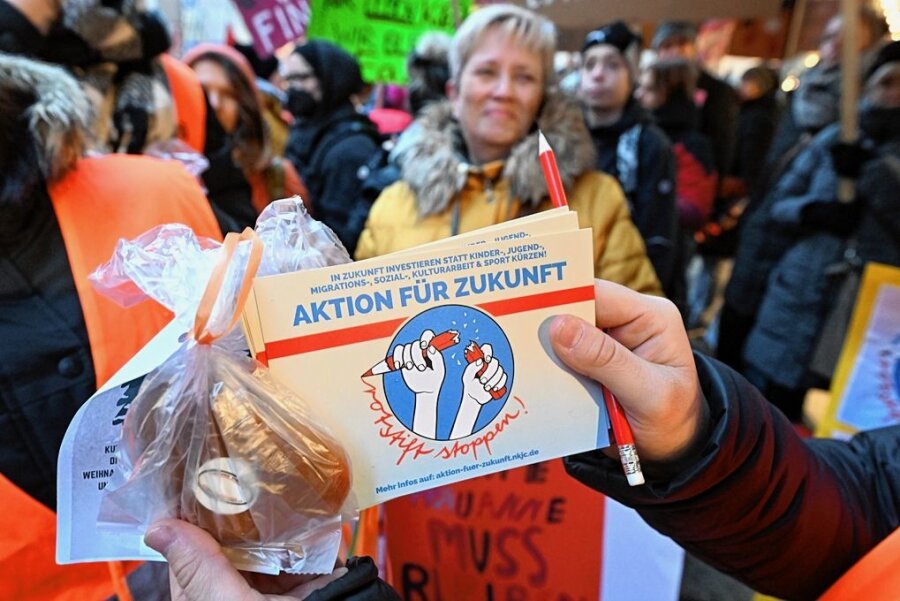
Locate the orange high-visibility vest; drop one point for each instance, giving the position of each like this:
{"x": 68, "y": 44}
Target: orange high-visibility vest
{"x": 101, "y": 200}
{"x": 875, "y": 577}
{"x": 190, "y": 105}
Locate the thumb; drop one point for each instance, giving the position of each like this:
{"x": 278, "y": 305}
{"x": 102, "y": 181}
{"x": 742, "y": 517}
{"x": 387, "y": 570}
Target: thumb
{"x": 198, "y": 567}
{"x": 591, "y": 352}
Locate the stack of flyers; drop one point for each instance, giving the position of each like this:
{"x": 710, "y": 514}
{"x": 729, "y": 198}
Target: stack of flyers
{"x": 433, "y": 365}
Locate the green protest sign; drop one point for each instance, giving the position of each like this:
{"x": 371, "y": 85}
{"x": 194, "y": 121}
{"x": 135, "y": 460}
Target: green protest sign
{"x": 381, "y": 33}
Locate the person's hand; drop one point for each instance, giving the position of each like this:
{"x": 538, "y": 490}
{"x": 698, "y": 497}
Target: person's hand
{"x": 848, "y": 158}
{"x": 645, "y": 359}
{"x": 421, "y": 374}
{"x": 478, "y": 388}
{"x": 199, "y": 571}
{"x": 839, "y": 218}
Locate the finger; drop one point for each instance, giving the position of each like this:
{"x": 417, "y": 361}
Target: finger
{"x": 488, "y": 351}
{"x": 590, "y": 351}
{"x": 500, "y": 383}
{"x": 308, "y": 588}
{"x": 418, "y": 357}
{"x": 407, "y": 356}
{"x": 628, "y": 316}
{"x": 470, "y": 374}
{"x": 617, "y": 305}
{"x": 494, "y": 380}
{"x": 425, "y": 339}
{"x": 490, "y": 371}
{"x": 196, "y": 562}
{"x": 398, "y": 356}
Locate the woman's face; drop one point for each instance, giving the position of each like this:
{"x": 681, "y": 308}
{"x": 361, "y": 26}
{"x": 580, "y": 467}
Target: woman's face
{"x": 648, "y": 93}
{"x": 221, "y": 93}
{"x": 499, "y": 92}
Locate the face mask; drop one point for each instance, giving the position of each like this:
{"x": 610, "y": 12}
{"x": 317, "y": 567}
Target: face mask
{"x": 300, "y": 103}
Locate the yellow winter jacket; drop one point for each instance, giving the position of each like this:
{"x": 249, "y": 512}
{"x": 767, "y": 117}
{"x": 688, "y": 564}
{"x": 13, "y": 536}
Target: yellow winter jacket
{"x": 619, "y": 254}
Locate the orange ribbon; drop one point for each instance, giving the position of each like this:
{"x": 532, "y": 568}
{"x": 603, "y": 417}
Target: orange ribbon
{"x": 201, "y": 334}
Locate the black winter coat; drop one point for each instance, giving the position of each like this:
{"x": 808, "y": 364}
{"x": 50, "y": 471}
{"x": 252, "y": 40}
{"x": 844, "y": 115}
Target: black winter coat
{"x": 332, "y": 155}
{"x": 786, "y": 516}
{"x": 649, "y": 188}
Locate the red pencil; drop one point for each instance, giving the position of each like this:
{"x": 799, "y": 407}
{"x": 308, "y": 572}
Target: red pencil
{"x": 624, "y": 439}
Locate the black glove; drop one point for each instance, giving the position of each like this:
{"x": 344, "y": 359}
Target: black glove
{"x": 848, "y": 159}
{"x": 839, "y": 218}
{"x": 360, "y": 583}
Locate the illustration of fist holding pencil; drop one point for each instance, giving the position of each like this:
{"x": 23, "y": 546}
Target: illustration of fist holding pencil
{"x": 423, "y": 370}
{"x": 483, "y": 381}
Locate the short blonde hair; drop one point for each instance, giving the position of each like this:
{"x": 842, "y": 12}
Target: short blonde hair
{"x": 521, "y": 25}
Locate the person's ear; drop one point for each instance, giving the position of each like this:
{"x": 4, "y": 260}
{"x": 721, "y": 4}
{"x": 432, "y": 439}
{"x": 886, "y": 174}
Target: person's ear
{"x": 450, "y": 90}
{"x": 453, "y": 96}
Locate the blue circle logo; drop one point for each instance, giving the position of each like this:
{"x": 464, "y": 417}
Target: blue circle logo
{"x": 453, "y": 372}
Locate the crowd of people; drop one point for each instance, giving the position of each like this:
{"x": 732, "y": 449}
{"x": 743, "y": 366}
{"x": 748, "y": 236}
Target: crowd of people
{"x": 104, "y": 134}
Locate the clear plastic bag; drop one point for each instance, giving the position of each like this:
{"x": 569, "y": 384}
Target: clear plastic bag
{"x": 211, "y": 437}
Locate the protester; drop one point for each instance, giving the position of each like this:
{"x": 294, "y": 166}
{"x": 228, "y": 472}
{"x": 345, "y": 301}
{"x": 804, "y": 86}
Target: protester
{"x": 717, "y": 101}
{"x": 61, "y": 216}
{"x": 667, "y": 90}
{"x": 272, "y": 97}
{"x": 631, "y": 148}
{"x": 428, "y": 69}
{"x": 727, "y": 477}
{"x": 472, "y": 161}
{"x": 757, "y": 119}
{"x": 243, "y": 177}
{"x": 330, "y": 141}
{"x": 800, "y": 292}
{"x": 813, "y": 106}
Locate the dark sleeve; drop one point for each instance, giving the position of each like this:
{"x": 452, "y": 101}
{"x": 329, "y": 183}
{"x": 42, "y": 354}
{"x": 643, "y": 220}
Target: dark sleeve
{"x": 878, "y": 184}
{"x": 360, "y": 583}
{"x": 655, "y": 209}
{"x": 719, "y": 116}
{"x": 753, "y": 500}
{"x": 340, "y": 186}
{"x": 810, "y": 178}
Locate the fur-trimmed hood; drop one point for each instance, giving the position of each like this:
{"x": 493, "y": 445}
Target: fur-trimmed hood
{"x": 60, "y": 118}
{"x": 432, "y": 165}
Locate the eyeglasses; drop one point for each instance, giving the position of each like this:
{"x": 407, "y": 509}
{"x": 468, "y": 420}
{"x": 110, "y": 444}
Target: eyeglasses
{"x": 299, "y": 77}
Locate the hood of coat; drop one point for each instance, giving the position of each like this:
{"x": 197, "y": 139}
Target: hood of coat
{"x": 59, "y": 120}
{"x": 431, "y": 155}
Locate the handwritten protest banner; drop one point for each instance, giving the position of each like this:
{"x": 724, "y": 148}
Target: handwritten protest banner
{"x": 381, "y": 33}
{"x": 527, "y": 533}
{"x": 274, "y": 23}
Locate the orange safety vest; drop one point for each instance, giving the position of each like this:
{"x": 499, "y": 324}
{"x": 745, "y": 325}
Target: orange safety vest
{"x": 875, "y": 577}
{"x": 190, "y": 105}
{"x": 101, "y": 200}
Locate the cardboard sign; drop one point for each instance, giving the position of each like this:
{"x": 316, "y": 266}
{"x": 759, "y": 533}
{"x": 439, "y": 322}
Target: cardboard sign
{"x": 381, "y": 33}
{"x": 274, "y": 23}
{"x": 866, "y": 385}
{"x": 528, "y": 533}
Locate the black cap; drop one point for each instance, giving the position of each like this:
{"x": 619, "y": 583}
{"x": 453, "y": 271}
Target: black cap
{"x": 616, "y": 34}
{"x": 887, "y": 54}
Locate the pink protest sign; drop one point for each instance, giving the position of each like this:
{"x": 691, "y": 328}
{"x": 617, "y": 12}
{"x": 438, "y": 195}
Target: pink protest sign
{"x": 274, "y": 23}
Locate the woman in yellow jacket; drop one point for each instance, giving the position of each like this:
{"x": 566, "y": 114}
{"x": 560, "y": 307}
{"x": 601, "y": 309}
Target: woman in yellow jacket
{"x": 472, "y": 162}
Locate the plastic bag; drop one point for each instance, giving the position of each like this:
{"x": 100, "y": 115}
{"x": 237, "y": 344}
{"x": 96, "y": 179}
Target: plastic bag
{"x": 210, "y": 437}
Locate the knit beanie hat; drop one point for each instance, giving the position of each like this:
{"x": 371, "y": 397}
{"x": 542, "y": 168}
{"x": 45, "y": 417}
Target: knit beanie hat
{"x": 888, "y": 54}
{"x": 674, "y": 29}
{"x": 616, "y": 34}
